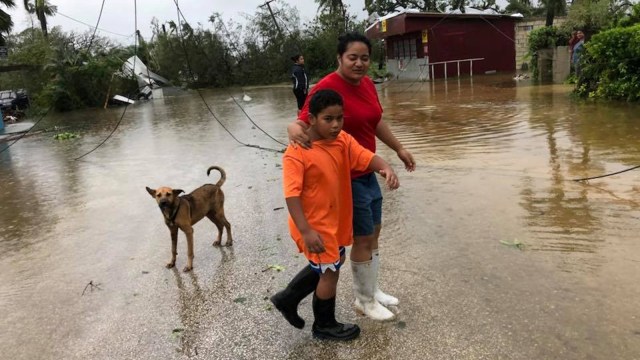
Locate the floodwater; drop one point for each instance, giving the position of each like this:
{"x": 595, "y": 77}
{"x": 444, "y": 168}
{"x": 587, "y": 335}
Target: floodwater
{"x": 493, "y": 250}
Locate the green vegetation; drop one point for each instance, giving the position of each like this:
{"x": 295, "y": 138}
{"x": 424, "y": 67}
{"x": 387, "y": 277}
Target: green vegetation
{"x": 611, "y": 60}
{"x": 544, "y": 38}
{"x": 66, "y": 136}
{"x": 611, "y": 65}
{"x": 69, "y": 71}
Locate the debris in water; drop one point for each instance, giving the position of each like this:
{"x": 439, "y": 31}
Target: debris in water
{"x": 91, "y": 286}
{"x": 516, "y": 243}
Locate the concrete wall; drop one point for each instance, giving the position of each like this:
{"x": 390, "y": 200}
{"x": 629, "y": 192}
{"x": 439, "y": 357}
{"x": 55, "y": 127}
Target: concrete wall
{"x": 411, "y": 69}
{"x": 523, "y": 28}
{"x": 553, "y": 64}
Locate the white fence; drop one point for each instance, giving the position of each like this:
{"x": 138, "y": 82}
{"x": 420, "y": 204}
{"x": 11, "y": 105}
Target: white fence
{"x": 423, "y": 70}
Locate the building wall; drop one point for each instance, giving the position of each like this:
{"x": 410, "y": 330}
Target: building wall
{"x": 453, "y": 39}
{"x": 488, "y": 38}
{"x": 553, "y": 64}
{"x": 523, "y": 29}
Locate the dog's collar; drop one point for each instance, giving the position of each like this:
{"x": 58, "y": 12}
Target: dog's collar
{"x": 174, "y": 213}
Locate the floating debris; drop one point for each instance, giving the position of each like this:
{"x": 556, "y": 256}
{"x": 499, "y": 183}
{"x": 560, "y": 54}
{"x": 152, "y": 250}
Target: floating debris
{"x": 66, "y": 136}
{"x": 516, "y": 244}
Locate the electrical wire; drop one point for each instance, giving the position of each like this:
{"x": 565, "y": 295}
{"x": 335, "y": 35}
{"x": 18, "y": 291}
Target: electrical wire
{"x": 186, "y": 53}
{"x": 91, "y": 26}
{"x": 605, "y": 175}
{"x": 237, "y": 51}
{"x": 96, "y": 27}
{"x": 133, "y": 75}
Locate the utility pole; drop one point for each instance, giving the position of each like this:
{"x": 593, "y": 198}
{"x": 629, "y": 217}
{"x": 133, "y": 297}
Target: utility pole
{"x": 267, "y": 4}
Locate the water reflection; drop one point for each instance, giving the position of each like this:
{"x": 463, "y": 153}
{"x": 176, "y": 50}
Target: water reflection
{"x": 495, "y": 162}
{"x": 537, "y": 135}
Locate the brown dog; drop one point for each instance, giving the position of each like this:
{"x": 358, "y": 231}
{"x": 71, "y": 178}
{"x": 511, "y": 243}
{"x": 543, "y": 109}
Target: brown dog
{"x": 182, "y": 212}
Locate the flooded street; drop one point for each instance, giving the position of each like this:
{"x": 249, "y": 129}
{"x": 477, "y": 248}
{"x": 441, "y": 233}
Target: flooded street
{"x": 492, "y": 249}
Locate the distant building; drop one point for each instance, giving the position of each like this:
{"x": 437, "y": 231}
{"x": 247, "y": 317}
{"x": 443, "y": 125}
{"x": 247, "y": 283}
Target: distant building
{"x": 421, "y": 45}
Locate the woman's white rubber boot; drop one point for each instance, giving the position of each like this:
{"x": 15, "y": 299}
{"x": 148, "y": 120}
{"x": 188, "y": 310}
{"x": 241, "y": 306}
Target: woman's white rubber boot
{"x": 384, "y": 299}
{"x": 364, "y": 287}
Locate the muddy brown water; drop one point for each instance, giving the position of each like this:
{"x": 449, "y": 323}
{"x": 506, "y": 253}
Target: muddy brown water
{"x": 493, "y": 251}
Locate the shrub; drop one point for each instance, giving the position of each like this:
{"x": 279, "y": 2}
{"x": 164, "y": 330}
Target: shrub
{"x": 544, "y": 38}
{"x": 611, "y": 65}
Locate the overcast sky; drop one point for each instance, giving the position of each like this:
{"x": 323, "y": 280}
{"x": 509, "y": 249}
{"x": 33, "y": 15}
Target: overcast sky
{"x": 118, "y": 15}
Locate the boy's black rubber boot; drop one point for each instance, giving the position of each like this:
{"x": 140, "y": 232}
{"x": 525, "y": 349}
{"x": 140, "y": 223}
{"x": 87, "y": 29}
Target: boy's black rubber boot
{"x": 287, "y": 300}
{"x": 326, "y": 327}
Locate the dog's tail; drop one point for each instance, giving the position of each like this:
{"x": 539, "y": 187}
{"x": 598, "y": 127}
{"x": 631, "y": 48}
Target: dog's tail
{"x": 223, "y": 175}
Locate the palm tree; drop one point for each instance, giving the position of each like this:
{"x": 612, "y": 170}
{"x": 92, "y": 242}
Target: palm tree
{"x": 42, "y": 9}
{"x": 332, "y": 6}
{"x": 553, "y": 8}
{"x": 6, "y": 24}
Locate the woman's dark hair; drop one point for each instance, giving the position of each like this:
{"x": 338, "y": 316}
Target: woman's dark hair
{"x": 345, "y": 39}
{"x": 322, "y": 99}
{"x": 295, "y": 57}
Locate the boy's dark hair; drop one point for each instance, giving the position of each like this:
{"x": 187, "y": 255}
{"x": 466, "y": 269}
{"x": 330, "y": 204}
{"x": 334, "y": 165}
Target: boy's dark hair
{"x": 322, "y": 99}
{"x": 345, "y": 39}
{"x": 295, "y": 57}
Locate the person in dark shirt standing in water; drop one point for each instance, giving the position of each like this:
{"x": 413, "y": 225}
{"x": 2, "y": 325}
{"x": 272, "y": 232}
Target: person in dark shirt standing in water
{"x": 300, "y": 80}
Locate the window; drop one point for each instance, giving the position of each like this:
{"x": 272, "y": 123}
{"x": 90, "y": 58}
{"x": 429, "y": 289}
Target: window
{"x": 404, "y": 48}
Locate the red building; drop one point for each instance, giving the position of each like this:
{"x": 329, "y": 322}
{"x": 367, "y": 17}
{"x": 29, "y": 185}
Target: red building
{"x": 420, "y": 45}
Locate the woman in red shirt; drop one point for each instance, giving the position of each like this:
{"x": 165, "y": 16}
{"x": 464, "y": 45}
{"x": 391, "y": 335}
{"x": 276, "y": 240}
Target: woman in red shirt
{"x": 363, "y": 121}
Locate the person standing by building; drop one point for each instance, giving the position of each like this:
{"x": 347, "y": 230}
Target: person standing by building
{"x": 572, "y": 41}
{"x": 577, "y": 51}
{"x": 363, "y": 121}
{"x": 300, "y": 80}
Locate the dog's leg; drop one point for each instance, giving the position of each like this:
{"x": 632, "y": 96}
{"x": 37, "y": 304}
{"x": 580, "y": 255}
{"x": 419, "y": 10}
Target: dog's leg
{"x": 218, "y": 223}
{"x": 174, "y": 246}
{"x": 228, "y": 226}
{"x": 189, "y": 232}
{"x": 221, "y": 222}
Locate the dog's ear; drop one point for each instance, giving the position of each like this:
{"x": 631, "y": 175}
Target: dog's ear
{"x": 177, "y": 192}
{"x": 151, "y": 192}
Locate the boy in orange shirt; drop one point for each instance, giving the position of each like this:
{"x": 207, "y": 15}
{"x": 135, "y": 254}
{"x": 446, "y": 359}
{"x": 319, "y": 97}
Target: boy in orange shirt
{"x": 317, "y": 188}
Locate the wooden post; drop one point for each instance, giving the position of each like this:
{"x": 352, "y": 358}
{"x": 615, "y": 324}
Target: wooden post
{"x": 106, "y": 100}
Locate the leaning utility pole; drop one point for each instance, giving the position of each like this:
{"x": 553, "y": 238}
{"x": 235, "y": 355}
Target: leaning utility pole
{"x": 267, "y": 4}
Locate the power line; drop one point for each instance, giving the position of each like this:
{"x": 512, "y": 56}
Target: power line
{"x": 93, "y": 27}
{"x": 96, "y": 27}
{"x": 133, "y": 75}
{"x": 186, "y": 53}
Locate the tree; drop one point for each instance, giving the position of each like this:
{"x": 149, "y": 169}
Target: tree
{"x": 384, "y": 7}
{"x": 519, "y": 6}
{"x": 335, "y": 7}
{"x": 6, "y": 24}
{"x": 553, "y": 8}
{"x": 42, "y": 9}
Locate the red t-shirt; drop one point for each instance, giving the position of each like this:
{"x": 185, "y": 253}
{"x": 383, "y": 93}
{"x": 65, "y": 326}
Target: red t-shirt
{"x": 362, "y": 109}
